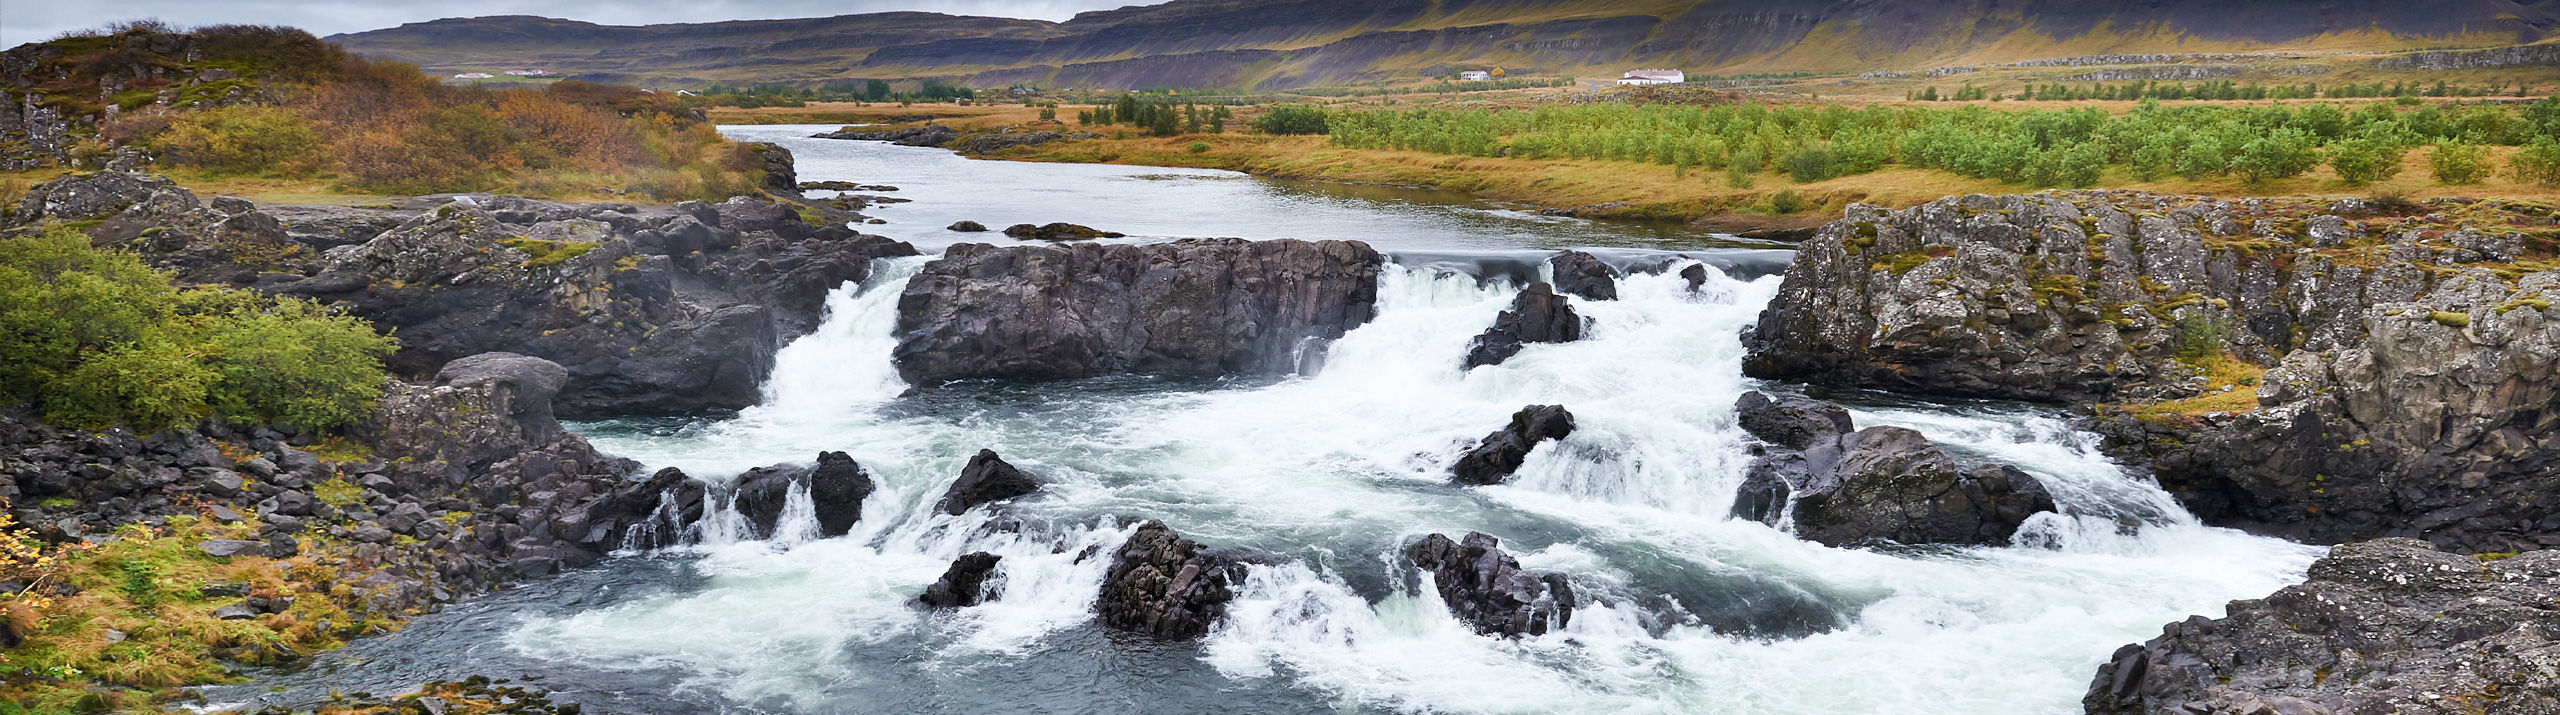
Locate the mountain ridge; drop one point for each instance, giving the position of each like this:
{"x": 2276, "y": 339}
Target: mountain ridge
{"x": 1250, "y": 44}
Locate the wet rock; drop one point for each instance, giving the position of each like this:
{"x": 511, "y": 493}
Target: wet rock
{"x": 1791, "y": 421}
{"x": 1192, "y": 307}
{"x": 2390, "y": 625}
{"x": 1486, "y": 589}
{"x": 1494, "y": 459}
{"x": 1584, "y": 276}
{"x": 967, "y": 226}
{"x": 1891, "y": 484}
{"x": 1164, "y": 585}
{"x": 1060, "y": 231}
{"x": 234, "y": 612}
{"x": 987, "y": 478}
{"x": 963, "y": 584}
{"x": 654, "y": 514}
{"x": 1537, "y": 315}
{"x": 927, "y": 135}
{"x": 836, "y": 486}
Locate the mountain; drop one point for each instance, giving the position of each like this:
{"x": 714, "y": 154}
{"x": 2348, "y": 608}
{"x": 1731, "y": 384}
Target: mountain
{"x": 1280, "y": 44}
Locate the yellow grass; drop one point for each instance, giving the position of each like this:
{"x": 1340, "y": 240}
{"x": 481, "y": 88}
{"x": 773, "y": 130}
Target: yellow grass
{"x": 2221, "y": 370}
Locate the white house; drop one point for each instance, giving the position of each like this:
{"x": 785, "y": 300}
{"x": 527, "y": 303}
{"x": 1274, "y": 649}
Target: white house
{"x": 528, "y": 73}
{"x": 1653, "y": 77}
{"x": 473, "y": 75}
{"x": 1475, "y": 76}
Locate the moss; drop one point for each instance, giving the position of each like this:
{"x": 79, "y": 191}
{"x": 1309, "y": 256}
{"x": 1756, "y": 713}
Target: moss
{"x": 338, "y": 493}
{"x": 540, "y": 253}
{"x": 2450, "y": 319}
{"x": 2534, "y": 303}
{"x": 2496, "y": 555}
{"x": 1861, "y": 239}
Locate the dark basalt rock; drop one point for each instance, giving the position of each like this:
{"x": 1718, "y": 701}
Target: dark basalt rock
{"x": 1585, "y": 276}
{"x": 837, "y": 485}
{"x": 1166, "y": 586}
{"x": 2384, "y": 626}
{"x": 653, "y": 514}
{"x": 1059, "y": 231}
{"x": 781, "y": 173}
{"x": 1790, "y": 421}
{"x": 987, "y": 478}
{"x": 964, "y": 584}
{"x": 1501, "y": 453}
{"x": 1537, "y": 315}
{"x": 967, "y": 226}
{"x": 1876, "y": 484}
{"x": 927, "y": 135}
{"x": 1192, "y": 307}
{"x": 1486, "y": 589}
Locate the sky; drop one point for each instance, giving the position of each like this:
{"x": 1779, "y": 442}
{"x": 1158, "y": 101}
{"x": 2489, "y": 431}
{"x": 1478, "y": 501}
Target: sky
{"x": 24, "y": 21}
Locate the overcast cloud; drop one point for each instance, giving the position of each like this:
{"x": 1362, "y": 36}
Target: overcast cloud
{"x": 23, "y": 21}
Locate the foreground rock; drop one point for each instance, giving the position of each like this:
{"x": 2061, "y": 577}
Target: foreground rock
{"x": 1192, "y": 307}
{"x": 2385, "y": 626}
{"x": 1499, "y": 454}
{"x": 1166, "y": 586}
{"x": 987, "y": 478}
{"x": 1486, "y": 589}
{"x": 1059, "y": 231}
{"x": 1537, "y": 315}
{"x": 836, "y": 486}
{"x": 1876, "y": 484}
{"x": 964, "y": 584}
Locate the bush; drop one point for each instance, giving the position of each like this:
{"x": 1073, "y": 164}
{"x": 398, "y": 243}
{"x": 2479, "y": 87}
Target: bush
{"x": 1787, "y": 201}
{"x": 241, "y": 140}
{"x": 1291, "y": 119}
{"x": 2538, "y": 162}
{"x": 1197, "y": 148}
{"x": 2364, "y": 160}
{"x": 2457, "y": 162}
{"x": 2280, "y": 154}
{"x": 97, "y": 338}
{"x": 1807, "y": 164}
{"x": 1743, "y": 169}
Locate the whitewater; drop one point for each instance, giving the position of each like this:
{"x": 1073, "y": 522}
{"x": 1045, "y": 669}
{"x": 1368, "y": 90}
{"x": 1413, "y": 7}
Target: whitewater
{"x": 1325, "y": 477}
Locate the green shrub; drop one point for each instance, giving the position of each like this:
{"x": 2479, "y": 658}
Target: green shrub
{"x": 1787, "y": 201}
{"x": 1808, "y": 164}
{"x": 1743, "y": 169}
{"x": 1292, "y": 119}
{"x": 2538, "y": 162}
{"x": 1197, "y": 148}
{"x": 2364, "y": 160}
{"x": 94, "y": 338}
{"x": 2280, "y": 154}
{"x": 2458, "y": 162}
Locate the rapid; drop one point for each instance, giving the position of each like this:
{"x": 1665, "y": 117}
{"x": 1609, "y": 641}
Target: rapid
{"x": 1326, "y": 476}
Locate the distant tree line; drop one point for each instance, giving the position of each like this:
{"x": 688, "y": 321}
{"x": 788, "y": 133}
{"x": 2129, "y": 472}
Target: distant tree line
{"x": 1159, "y": 116}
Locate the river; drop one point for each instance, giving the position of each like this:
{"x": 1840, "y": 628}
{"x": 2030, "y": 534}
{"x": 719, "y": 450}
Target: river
{"x": 1328, "y": 475}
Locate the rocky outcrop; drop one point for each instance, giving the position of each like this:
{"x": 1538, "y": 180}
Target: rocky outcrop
{"x": 1058, "y": 231}
{"x": 927, "y": 135}
{"x": 987, "y": 479}
{"x": 1537, "y": 315}
{"x": 1874, "y": 485}
{"x": 836, "y": 486}
{"x": 1584, "y": 276}
{"x": 2391, "y": 625}
{"x": 2408, "y": 390}
{"x": 781, "y": 170}
{"x": 658, "y": 311}
{"x": 1494, "y": 459}
{"x": 1190, "y": 307}
{"x": 1166, "y": 586}
{"x": 967, "y": 227}
{"x": 964, "y": 584}
{"x": 1485, "y": 588}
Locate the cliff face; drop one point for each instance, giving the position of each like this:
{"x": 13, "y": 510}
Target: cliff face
{"x": 1291, "y": 43}
{"x": 2411, "y": 384}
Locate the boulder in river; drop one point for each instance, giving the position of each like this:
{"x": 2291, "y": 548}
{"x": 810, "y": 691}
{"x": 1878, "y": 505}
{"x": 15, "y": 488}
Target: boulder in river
{"x": 927, "y": 135}
{"x": 967, "y": 226}
{"x": 1204, "y": 307}
{"x": 1877, "y": 484}
{"x": 1537, "y": 315}
{"x": 988, "y": 478}
{"x": 964, "y": 584}
{"x": 2384, "y": 626}
{"x": 1164, "y": 585}
{"x": 836, "y": 485}
{"x": 1058, "y": 231}
{"x": 1501, "y": 453}
{"x": 1486, "y": 589}
{"x": 1584, "y": 275}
